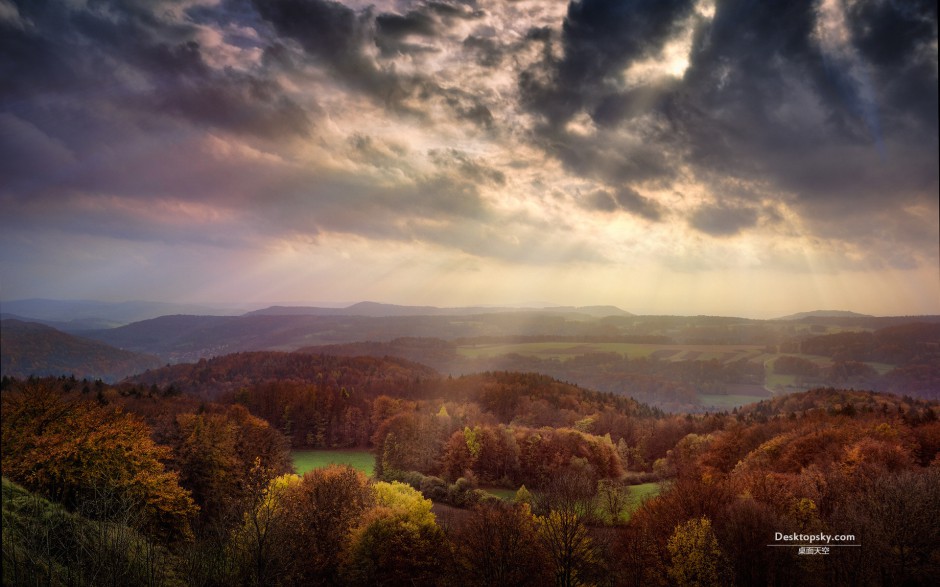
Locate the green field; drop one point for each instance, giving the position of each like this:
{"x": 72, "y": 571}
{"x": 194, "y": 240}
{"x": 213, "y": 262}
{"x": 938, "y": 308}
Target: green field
{"x": 502, "y": 493}
{"x": 307, "y": 460}
{"x": 565, "y": 350}
{"x": 638, "y": 494}
{"x": 644, "y": 491}
{"x": 881, "y": 368}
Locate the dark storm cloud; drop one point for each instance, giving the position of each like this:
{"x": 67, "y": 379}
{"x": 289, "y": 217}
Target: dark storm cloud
{"x": 722, "y": 220}
{"x": 632, "y": 202}
{"x": 625, "y": 199}
{"x": 767, "y": 100}
{"x": 771, "y": 97}
{"x": 888, "y": 32}
{"x": 328, "y": 30}
{"x": 122, "y": 57}
{"x": 488, "y": 53}
{"x": 399, "y": 26}
{"x": 599, "y": 37}
{"x": 599, "y": 40}
{"x": 898, "y": 40}
{"x": 337, "y": 37}
{"x": 341, "y": 39}
{"x": 747, "y": 65}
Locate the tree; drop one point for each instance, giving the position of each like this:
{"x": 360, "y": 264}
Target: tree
{"x": 563, "y": 506}
{"x": 898, "y": 515}
{"x": 72, "y": 451}
{"x": 218, "y": 453}
{"x": 696, "y": 558}
{"x": 263, "y": 542}
{"x": 408, "y": 442}
{"x": 325, "y": 507}
{"x": 569, "y": 547}
{"x": 499, "y": 544}
{"x": 614, "y": 497}
{"x": 398, "y": 542}
{"x": 209, "y": 466}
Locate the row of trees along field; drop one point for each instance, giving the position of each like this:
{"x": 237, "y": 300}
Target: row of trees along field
{"x": 201, "y": 492}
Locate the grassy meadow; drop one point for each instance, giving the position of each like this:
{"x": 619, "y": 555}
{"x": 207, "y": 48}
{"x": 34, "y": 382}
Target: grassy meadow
{"x": 307, "y": 460}
{"x": 638, "y": 494}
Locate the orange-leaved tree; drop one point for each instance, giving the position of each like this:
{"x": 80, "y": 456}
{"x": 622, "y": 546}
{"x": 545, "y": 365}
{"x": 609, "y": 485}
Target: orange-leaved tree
{"x": 76, "y": 452}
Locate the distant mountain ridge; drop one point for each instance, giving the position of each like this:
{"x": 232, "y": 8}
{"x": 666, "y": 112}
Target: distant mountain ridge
{"x": 188, "y": 338}
{"x": 74, "y": 326}
{"x": 73, "y": 315}
{"x": 824, "y": 314}
{"x": 379, "y": 310}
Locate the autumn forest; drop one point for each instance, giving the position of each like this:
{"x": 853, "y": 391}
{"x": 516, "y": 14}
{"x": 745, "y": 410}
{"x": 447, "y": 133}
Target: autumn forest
{"x": 185, "y": 474}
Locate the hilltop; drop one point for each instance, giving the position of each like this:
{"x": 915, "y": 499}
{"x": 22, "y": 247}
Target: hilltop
{"x": 379, "y": 310}
{"x": 824, "y": 314}
{"x": 28, "y": 348}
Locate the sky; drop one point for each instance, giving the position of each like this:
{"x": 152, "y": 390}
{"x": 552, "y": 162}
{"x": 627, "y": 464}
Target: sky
{"x": 743, "y": 157}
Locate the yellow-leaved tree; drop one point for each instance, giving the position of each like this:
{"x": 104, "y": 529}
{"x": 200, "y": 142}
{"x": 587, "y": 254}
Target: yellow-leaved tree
{"x": 696, "y": 557}
{"x": 398, "y": 541}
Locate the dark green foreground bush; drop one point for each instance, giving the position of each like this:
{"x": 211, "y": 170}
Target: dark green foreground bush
{"x": 44, "y": 544}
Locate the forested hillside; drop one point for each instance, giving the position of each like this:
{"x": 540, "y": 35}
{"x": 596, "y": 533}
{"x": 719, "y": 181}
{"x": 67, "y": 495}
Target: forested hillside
{"x": 185, "y": 490}
{"x": 27, "y": 348}
{"x": 321, "y": 401}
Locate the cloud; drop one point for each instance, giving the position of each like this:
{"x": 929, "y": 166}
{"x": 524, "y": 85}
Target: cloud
{"x": 598, "y": 39}
{"x": 393, "y": 31}
{"x": 631, "y": 201}
{"x": 625, "y": 199}
{"x": 722, "y": 220}
{"x": 797, "y": 102}
{"x": 137, "y": 64}
{"x": 489, "y": 54}
{"x": 455, "y": 125}
{"x": 28, "y": 152}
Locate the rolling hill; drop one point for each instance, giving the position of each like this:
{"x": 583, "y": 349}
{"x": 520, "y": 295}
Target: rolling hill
{"x": 28, "y": 348}
{"x": 378, "y": 310}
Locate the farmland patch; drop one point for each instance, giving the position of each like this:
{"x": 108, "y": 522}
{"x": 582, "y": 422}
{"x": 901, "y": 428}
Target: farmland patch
{"x": 307, "y": 460}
